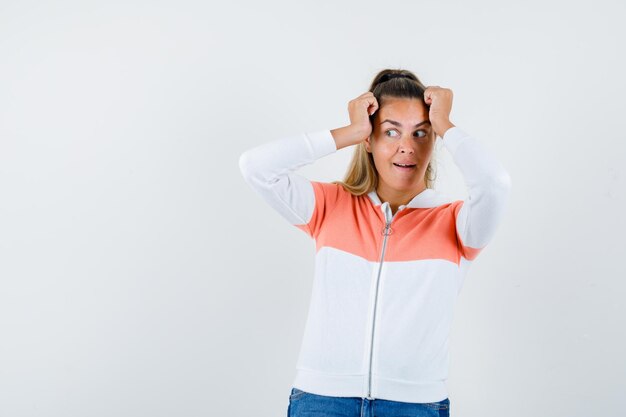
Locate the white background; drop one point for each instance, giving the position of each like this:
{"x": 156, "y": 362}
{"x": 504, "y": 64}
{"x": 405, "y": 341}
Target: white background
{"x": 141, "y": 276}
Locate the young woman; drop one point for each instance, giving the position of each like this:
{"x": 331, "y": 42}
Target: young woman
{"x": 391, "y": 251}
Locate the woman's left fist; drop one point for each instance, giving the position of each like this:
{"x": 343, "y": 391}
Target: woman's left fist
{"x": 439, "y": 101}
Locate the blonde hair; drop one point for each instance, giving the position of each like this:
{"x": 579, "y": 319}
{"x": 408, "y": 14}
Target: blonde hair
{"x": 361, "y": 176}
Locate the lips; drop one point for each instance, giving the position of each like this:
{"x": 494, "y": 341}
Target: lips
{"x": 404, "y": 165}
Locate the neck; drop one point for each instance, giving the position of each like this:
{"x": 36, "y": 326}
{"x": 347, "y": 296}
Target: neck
{"x": 396, "y": 198}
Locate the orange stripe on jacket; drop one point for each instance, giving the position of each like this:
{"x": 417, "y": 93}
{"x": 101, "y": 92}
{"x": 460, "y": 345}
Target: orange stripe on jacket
{"x": 355, "y": 225}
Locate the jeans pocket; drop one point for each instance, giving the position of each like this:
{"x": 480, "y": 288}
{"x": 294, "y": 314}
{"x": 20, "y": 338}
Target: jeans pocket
{"x": 296, "y": 393}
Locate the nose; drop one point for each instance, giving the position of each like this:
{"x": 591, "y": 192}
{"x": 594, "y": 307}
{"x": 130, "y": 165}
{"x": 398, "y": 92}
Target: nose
{"x": 406, "y": 145}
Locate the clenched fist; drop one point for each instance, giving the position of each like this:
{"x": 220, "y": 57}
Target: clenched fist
{"x": 439, "y": 101}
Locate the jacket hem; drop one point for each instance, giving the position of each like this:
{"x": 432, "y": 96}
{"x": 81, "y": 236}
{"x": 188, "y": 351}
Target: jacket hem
{"x": 382, "y": 388}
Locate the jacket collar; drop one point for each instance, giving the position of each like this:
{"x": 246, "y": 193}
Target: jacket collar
{"x": 426, "y": 199}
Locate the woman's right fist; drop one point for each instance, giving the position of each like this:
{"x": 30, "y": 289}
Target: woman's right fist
{"x": 360, "y": 127}
{"x": 360, "y": 109}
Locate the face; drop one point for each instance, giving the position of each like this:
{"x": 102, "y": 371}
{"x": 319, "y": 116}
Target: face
{"x": 396, "y": 139}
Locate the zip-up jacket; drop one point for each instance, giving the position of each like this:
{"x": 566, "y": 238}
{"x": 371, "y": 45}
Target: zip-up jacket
{"x": 385, "y": 285}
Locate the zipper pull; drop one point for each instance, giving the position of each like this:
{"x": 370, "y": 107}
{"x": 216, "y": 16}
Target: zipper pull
{"x": 387, "y": 230}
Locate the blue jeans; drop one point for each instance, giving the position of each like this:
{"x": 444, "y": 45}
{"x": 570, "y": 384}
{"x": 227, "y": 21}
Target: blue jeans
{"x": 302, "y": 403}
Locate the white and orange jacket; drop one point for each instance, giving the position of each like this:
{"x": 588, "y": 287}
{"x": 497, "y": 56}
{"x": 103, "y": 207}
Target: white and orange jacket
{"x": 385, "y": 286}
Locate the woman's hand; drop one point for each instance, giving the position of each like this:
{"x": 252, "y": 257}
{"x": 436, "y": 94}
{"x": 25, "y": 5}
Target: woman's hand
{"x": 439, "y": 101}
{"x": 360, "y": 128}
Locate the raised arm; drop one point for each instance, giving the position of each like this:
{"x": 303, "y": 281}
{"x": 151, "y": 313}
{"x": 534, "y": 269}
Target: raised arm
{"x": 269, "y": 170}
{"x": 488, "y": 185}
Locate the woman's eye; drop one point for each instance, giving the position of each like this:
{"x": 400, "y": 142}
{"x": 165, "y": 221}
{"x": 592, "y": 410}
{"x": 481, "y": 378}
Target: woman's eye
{"x": 423, "y": 133}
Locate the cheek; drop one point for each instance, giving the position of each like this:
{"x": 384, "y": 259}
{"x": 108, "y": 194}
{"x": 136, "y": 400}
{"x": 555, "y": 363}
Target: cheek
{"x": 425, "y": 150}
{"x": 384, "y": 157}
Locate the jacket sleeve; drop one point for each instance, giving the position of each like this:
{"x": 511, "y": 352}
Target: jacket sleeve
{"x": 269, "y": 171}
{"x": 488, "y": 185}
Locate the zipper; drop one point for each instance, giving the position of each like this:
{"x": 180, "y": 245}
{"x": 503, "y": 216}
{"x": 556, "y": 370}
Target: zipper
{"x": 387, "y": 230}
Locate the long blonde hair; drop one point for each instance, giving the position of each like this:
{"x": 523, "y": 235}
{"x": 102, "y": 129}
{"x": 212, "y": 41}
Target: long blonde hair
{"x": 361, "y": 176}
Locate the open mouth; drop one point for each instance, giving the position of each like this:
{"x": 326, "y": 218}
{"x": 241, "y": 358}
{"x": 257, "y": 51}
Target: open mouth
{"x": 405, "y": 167}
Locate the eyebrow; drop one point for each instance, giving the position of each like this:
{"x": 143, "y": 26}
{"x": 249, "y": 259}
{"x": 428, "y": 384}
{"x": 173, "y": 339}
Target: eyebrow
{"x": 393, "y": 122}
